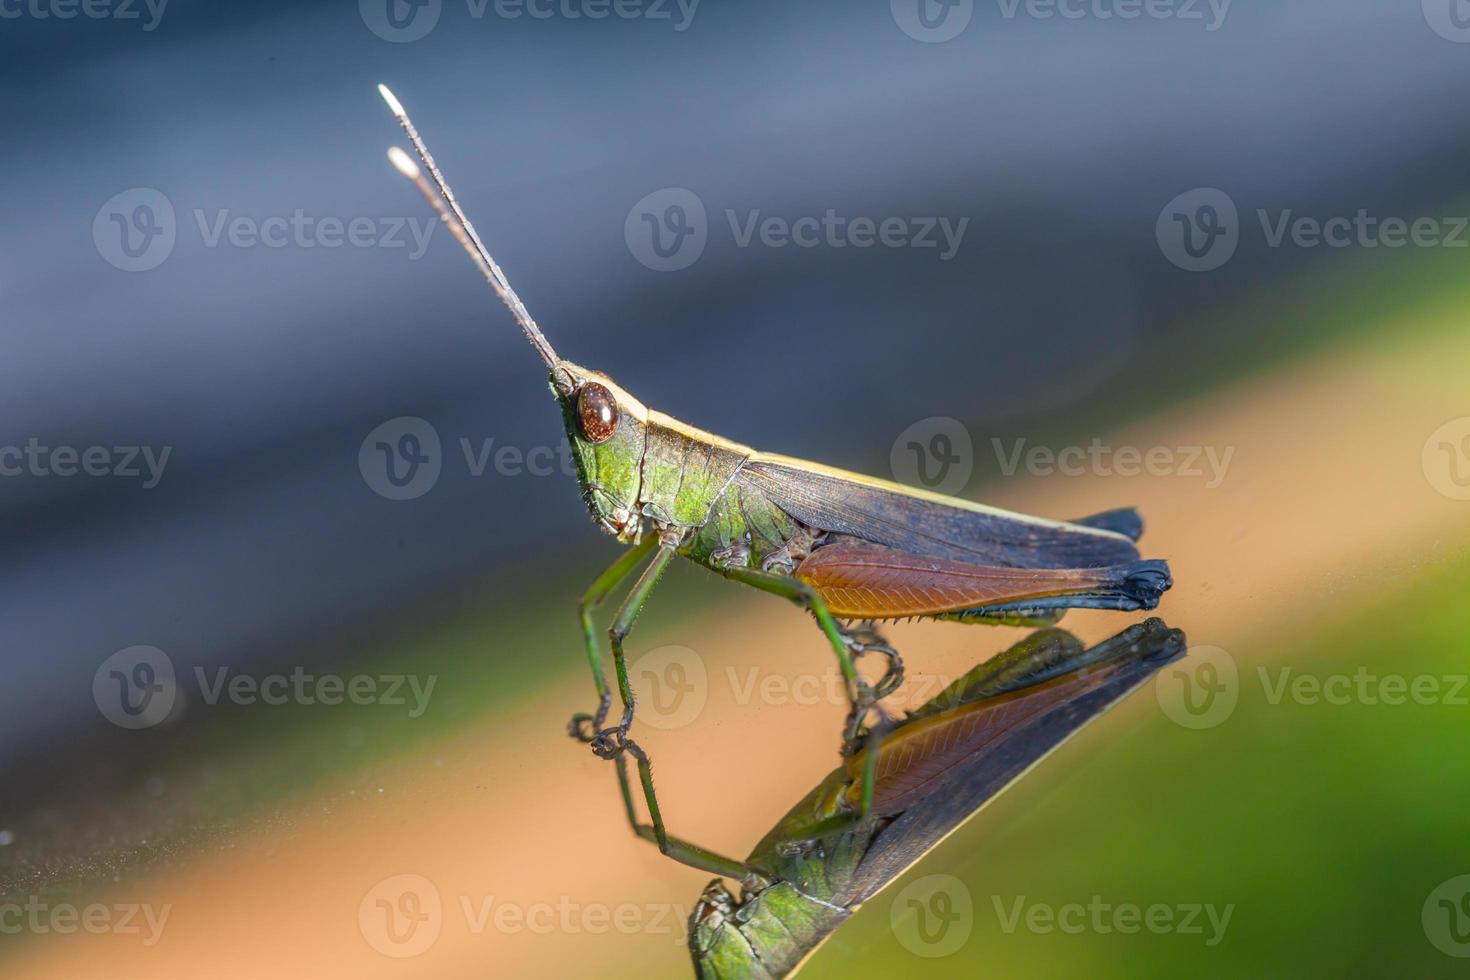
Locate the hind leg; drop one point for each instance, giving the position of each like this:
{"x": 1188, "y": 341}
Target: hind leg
{"x": 861, "y": 696}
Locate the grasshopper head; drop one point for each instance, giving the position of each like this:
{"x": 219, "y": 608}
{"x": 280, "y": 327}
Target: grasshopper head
{"x": 605, "y": 426}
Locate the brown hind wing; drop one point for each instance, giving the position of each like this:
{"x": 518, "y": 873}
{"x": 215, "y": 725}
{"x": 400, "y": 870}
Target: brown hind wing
{"x": 864, "y": 582}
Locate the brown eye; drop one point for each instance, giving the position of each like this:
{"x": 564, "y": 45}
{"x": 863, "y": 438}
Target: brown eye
{"x": 597, "y": 413}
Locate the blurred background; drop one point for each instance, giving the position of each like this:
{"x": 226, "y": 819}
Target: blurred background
{"x": 264, "y": 678}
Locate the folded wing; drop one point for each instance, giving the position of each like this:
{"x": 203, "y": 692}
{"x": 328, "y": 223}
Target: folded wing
{"x": 922, "y": 523}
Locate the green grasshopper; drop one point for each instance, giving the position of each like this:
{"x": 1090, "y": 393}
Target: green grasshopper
{"x": 850, "y": 549}
{"x": 937, "y": 769}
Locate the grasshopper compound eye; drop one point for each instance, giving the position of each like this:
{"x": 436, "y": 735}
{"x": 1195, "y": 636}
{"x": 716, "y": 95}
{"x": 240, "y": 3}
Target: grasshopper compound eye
{"x": 597, "y": 413}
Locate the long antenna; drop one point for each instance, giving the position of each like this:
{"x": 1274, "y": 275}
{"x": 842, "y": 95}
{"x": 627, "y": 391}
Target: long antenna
{"x": 460, "y": 226}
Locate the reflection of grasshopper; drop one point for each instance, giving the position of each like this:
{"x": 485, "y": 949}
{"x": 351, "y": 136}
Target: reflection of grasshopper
{"x": 844, "y": 546}
{"x": 940, "y": 765}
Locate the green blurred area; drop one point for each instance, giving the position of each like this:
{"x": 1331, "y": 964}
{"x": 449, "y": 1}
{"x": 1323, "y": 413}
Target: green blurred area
{"x": 1324, "y": 827}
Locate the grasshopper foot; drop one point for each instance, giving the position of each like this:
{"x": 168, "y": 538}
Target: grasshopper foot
{"x": 610, "y": 742}
{"x": 864, "y": 639}
{"x": 584, "y": 727}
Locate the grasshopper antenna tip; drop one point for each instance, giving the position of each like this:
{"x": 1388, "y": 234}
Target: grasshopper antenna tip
{"x": 394, "y": 105}
{"x": 442, "y": 200}
{"x": 403, "y": 163}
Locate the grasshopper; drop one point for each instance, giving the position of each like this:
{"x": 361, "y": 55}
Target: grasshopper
{"x": 937, "y": 769}
{"x": 850, "y": 549}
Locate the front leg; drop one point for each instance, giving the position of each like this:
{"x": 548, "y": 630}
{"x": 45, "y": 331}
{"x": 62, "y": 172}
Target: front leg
{"x": 608, "y": 743}
{"x": 674, "y": 847}
{"x": 612, "y": 743}
{"x": 584, "y": 727}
